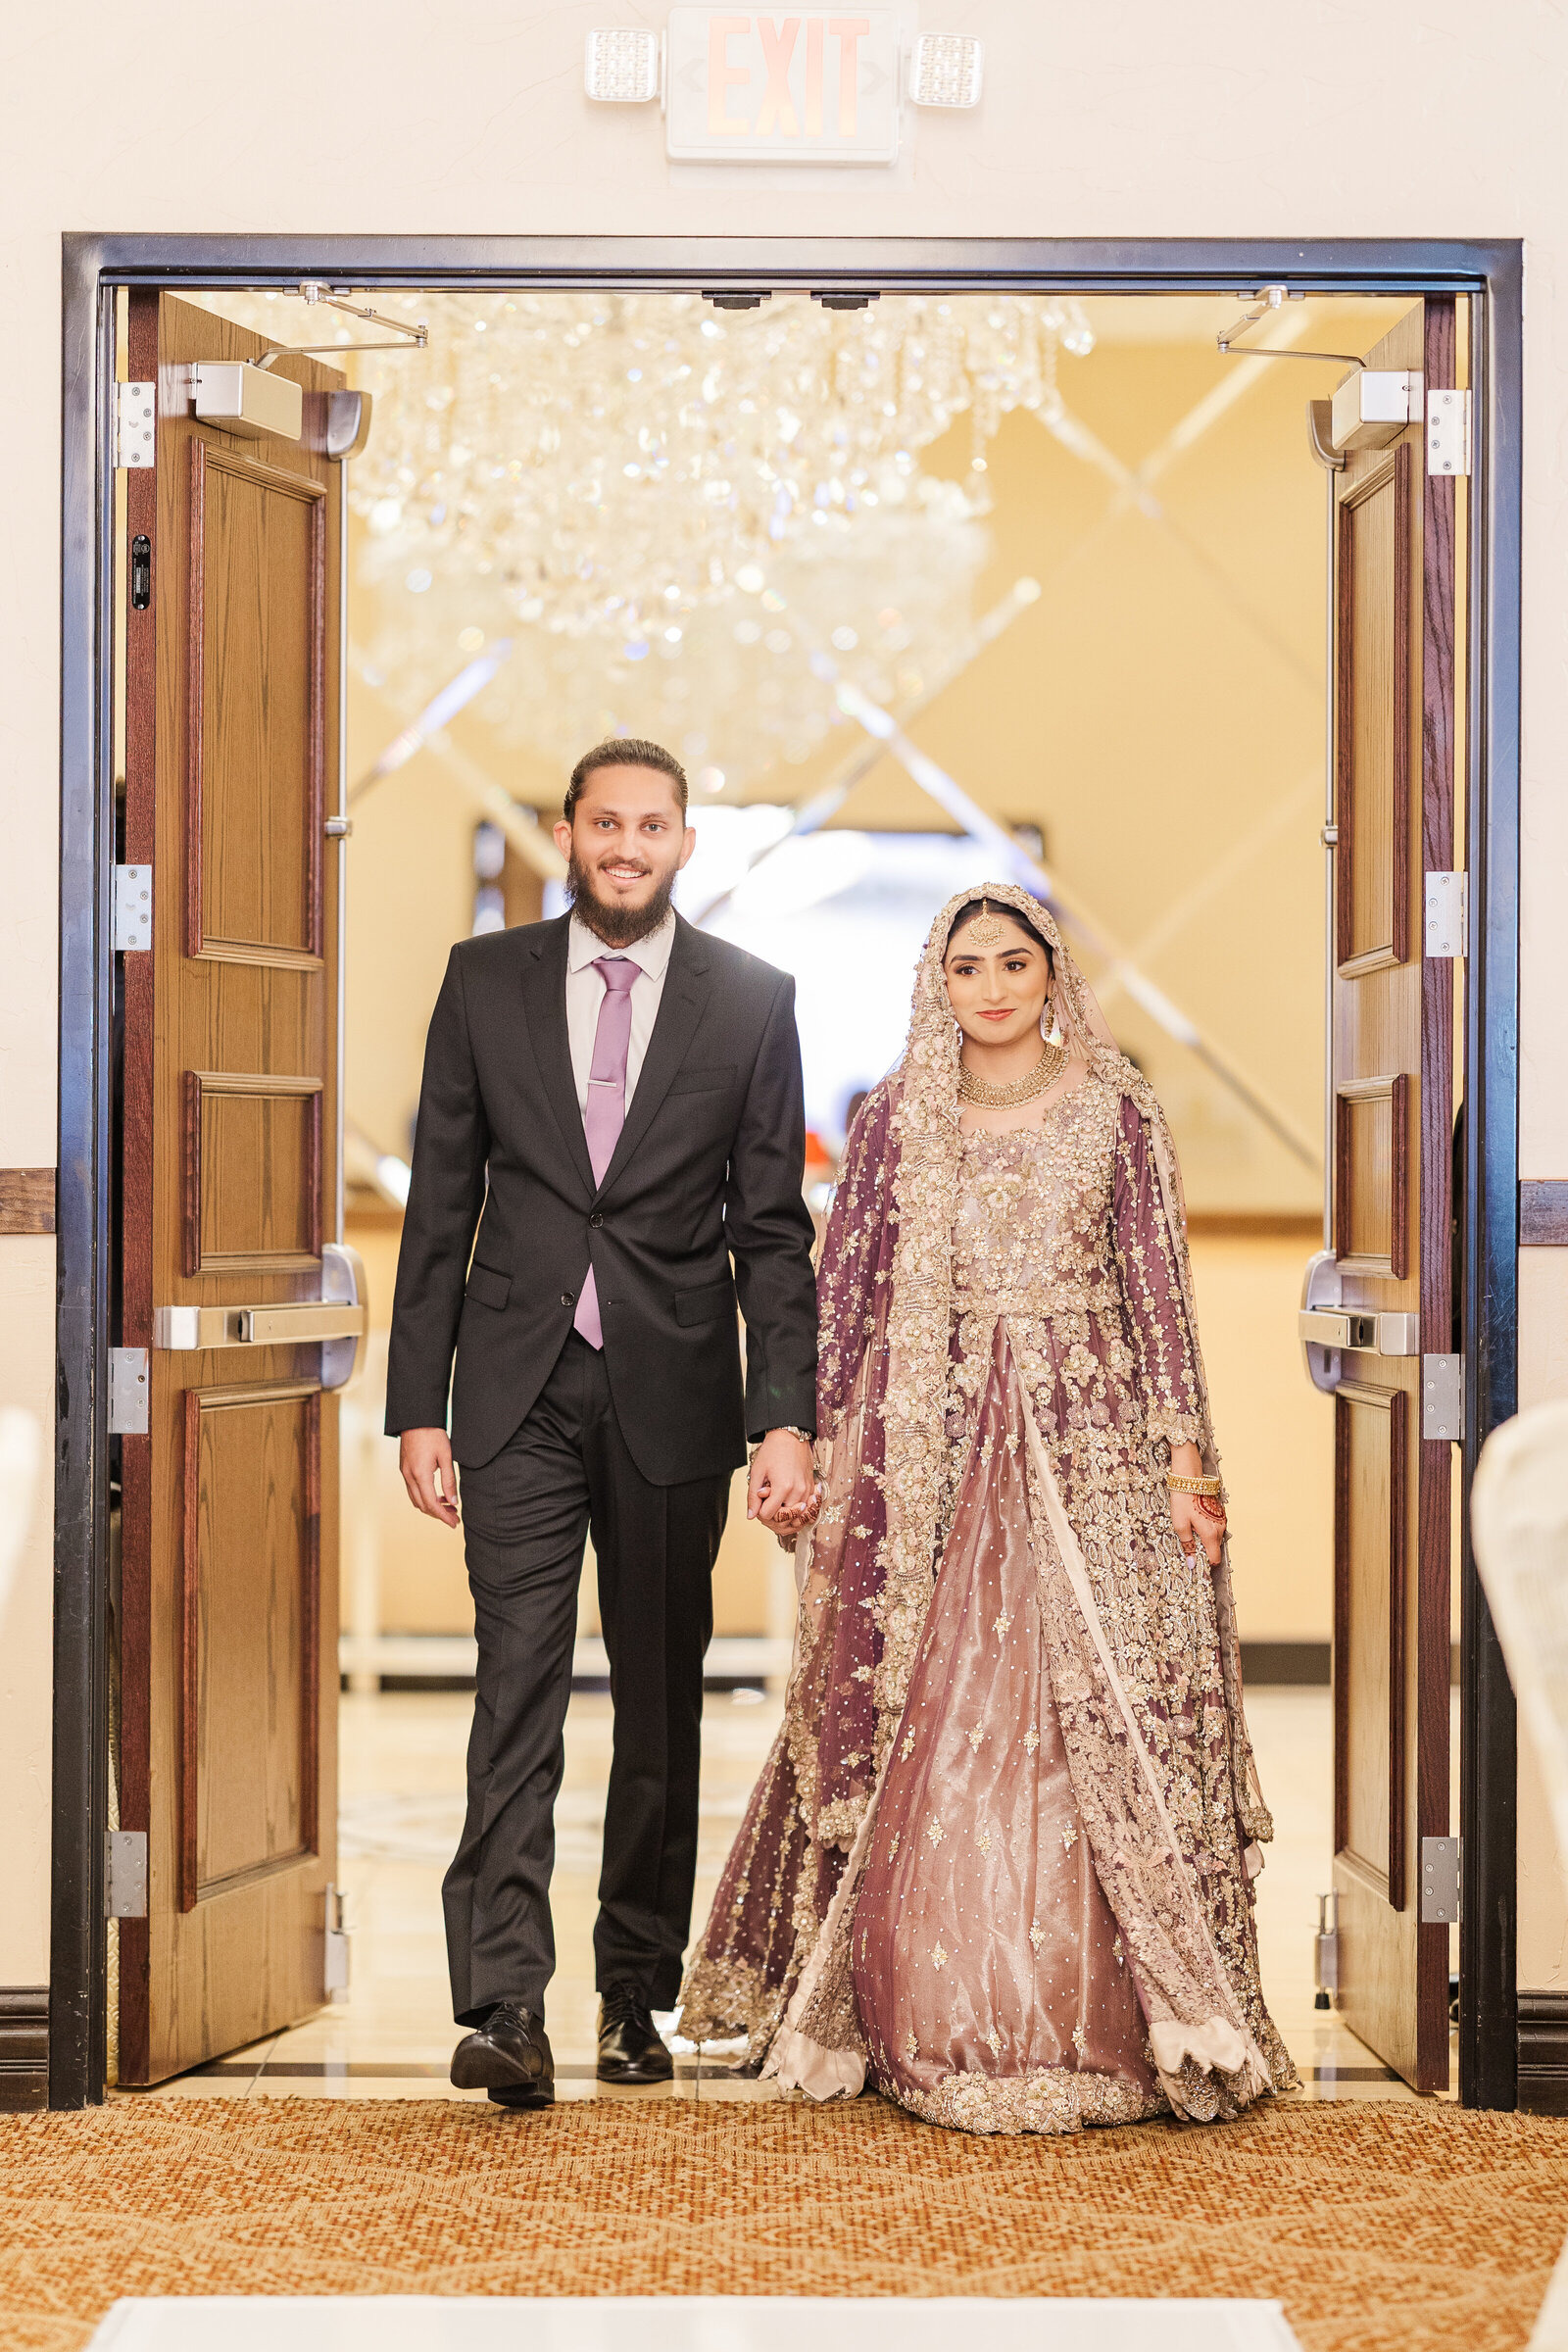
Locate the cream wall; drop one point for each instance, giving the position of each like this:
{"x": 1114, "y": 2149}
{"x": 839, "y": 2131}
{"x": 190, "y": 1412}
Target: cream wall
{"x": 1130, "y": 120}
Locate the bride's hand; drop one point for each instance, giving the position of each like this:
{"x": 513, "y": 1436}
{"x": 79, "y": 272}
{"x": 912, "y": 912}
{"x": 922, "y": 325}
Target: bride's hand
{"x": 1199, "y": 1519}
{"x": 787, "y": 1525}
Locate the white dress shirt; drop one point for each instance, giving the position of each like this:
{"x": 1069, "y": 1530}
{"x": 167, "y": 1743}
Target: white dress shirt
{"x": 585, "y": 992}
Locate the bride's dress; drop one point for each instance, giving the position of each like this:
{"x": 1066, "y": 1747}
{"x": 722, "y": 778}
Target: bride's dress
{"x": 990, "y": 1978}
{"x": 999, "y": 1855}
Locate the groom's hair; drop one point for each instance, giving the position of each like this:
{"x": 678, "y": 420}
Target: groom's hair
{"x": 625, "y": 751}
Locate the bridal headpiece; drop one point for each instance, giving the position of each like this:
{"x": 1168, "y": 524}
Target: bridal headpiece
{"x": 986, "y": 930}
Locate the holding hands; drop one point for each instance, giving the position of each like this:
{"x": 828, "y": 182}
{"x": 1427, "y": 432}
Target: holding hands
{"x": 782, "y": 1490}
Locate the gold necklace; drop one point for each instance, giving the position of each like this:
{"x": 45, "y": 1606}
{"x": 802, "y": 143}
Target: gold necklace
{"x": 1046, "y": 1070}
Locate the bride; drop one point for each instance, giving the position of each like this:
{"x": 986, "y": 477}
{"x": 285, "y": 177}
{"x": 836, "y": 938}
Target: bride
{"x": 1000, "y": 1854}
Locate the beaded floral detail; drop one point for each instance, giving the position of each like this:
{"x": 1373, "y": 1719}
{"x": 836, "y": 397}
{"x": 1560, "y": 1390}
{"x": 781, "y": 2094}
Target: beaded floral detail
{"x": 1052, "y": 2099}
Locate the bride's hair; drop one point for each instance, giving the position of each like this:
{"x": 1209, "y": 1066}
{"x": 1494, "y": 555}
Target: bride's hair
{"x": 971, "y": 913}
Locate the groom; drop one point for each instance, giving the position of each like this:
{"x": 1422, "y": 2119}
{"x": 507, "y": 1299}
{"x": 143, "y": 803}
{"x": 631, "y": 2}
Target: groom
{"x": 611, "y": 1113}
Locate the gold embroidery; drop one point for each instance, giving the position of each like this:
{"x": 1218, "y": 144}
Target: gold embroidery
{"x": 1071, "y": 1235}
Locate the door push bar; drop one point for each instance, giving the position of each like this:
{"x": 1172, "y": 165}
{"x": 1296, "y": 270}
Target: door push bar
{"x": 1370, "y": 1334}
{"x": 1329, "y": 1330}
{"x": 337, "y": 1321}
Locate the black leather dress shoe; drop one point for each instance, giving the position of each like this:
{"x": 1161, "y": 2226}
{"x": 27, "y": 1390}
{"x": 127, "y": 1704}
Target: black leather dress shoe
{"x": 509, "y": 2056}
{"x": 629, "y": 2047}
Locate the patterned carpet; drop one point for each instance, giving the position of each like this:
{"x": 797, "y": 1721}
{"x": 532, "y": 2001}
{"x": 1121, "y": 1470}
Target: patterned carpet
{"x": 1377, "y": 2225}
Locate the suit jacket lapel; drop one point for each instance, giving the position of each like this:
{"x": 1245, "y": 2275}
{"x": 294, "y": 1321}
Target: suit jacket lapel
{"x": 544, "y": 990}
{"x": 680, "y": 1009}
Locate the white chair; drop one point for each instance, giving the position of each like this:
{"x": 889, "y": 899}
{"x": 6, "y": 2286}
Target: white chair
{"x": 1519, "y": 1521}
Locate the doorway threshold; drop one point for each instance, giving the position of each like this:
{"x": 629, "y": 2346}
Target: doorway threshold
{"x": 732, "y": 1660}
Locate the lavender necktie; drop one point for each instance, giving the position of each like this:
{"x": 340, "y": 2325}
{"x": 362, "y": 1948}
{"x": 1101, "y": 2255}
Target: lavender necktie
{"x": 605, "y": 1114}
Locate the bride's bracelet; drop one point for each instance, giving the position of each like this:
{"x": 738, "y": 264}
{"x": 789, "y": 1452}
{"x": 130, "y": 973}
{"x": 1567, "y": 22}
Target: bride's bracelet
{"x": 1191, "y": 1486}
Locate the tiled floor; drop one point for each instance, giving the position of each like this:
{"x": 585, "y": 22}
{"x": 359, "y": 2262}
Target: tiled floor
{"x": 402, "y": 1758}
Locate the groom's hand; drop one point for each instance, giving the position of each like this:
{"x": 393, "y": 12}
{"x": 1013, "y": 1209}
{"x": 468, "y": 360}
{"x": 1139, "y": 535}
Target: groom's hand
{"x": 424, "y": 1457}
{"x": 782, "y": 1489}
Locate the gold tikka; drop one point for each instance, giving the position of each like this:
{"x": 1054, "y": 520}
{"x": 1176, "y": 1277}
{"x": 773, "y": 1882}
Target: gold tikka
{"x": 1046, "y": 1070}
{"x": 987, "y": 928}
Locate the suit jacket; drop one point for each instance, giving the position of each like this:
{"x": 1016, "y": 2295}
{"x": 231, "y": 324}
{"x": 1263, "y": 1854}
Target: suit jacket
{"x": 707, "y": 1169}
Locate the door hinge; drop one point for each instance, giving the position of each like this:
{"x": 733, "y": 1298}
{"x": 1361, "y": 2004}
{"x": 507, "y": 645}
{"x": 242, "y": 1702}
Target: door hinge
{"x": 1442, "y": 1396}
{"x": 1440, "y": 1859}
{"x": 132, "y": 910}
{"x": 125, "y": 1873}
{"x": 128, "y": 1392}
{"x": 136, "y": 423}
{"x": 1448, "y": 433}
{"x": 337, "y": 1979}
{"x": 1447, "y": 914}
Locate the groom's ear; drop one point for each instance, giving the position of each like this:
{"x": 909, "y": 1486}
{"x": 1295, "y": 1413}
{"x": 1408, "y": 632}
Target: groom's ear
{"x": 687, "y": 845}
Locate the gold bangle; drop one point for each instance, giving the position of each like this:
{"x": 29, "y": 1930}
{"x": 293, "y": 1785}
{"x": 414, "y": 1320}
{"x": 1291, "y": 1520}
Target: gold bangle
{"x": 1191, "y": 1486}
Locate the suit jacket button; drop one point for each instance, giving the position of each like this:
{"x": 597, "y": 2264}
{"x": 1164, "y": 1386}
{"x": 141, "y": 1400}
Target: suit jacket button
{"x": 598, "y": 1217}
{"x": 566, "y": 1299}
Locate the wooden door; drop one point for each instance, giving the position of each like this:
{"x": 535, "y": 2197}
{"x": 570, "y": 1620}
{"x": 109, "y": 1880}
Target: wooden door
{"x": 1393, "y": 1078}
{"x": 228, "y": 1618}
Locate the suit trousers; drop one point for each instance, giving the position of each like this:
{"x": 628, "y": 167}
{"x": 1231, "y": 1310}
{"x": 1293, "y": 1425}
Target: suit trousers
{"x": 564, "y": 1473}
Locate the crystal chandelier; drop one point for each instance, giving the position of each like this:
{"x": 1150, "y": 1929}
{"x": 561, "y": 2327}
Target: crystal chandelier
{"x": 669, "y": 511}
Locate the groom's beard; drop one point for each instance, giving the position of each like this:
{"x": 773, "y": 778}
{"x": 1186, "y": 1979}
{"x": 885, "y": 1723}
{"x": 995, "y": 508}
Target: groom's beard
{"x": 618, "y": 926}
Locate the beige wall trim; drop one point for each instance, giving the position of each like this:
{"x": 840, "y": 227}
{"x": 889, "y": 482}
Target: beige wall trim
{"x": 23, "y": 2048}
{"x": 26, "y": 1200}
{"x": 1296, "y": 1663}
{"x": 1543, "y": 2053}
{"x": 1543, "y": 1213}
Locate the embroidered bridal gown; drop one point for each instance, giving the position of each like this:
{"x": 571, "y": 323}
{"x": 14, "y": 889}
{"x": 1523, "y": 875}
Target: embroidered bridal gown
{"x": 1000, "y": 1854}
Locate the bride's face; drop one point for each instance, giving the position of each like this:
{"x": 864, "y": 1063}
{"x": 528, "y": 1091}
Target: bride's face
{"x": 999, "y": 992}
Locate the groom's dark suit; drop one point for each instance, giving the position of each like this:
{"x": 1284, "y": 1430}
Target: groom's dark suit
{"x": 636, "y": 1441}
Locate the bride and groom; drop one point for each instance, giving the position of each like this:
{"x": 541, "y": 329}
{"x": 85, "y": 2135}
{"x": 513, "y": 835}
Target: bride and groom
{"x": 1000, "y": 1858}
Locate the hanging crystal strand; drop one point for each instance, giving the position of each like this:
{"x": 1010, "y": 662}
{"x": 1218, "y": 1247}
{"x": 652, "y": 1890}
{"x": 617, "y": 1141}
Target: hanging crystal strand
{"x": 589, "y": 475}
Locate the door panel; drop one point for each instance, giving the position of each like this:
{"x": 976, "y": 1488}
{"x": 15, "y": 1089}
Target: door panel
{"x": 258, "y": 671}
{"x": 1373, "y": 602}
{"x": 229, "y": 1627}
{"x": 1372, "y": 1175}
{"x": 252, "y": 1172}
{"x": 250, "y": 1633}
{"x": 1393, "y": 1092}
{"x": 1370, "y": 1602}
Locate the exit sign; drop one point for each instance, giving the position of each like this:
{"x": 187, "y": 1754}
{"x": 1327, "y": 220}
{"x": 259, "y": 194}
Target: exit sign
{"x": 809, "y": 86}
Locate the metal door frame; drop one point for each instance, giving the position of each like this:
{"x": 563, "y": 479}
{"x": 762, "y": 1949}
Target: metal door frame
{"x": 95, "y": 266}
